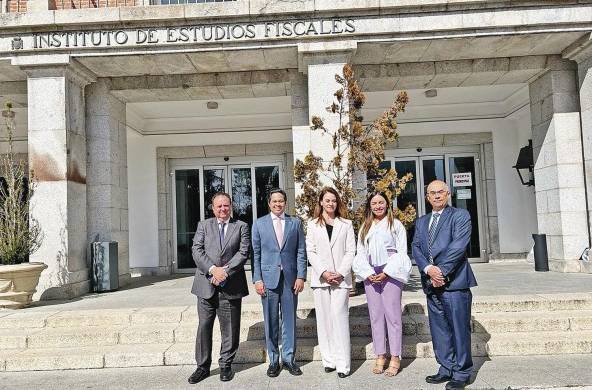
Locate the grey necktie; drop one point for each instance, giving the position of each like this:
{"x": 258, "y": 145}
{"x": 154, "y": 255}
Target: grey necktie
{"x": 432, "y": 234}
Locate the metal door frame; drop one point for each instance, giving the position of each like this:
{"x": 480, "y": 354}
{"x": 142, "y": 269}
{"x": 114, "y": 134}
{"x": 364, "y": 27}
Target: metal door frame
{"x": 482, "y": 241}
{"x": 216, "y": 163}
{"x": 446, "y": 153}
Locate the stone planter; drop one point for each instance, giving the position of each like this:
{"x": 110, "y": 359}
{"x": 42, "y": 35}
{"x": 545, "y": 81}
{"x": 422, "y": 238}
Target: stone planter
{"x": 18, "y": 283}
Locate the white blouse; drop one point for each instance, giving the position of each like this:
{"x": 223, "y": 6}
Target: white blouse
{"x": 383, "y": 246}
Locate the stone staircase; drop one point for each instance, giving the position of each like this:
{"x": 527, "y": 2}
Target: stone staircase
{"x": 502, "y": 326}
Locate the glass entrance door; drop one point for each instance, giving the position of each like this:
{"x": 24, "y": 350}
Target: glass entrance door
{"x": 248, "y": 184}
{"x": 452, "y": 169}
{"x": 464, "y": 194}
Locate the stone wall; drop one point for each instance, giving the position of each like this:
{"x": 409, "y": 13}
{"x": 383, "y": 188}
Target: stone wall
{"x": 558, "y": 170}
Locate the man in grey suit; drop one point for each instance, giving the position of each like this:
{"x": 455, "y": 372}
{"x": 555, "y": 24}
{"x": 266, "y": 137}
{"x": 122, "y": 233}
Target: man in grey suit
{"x": 279, "y": 272}
{"x": 220, "y": 250}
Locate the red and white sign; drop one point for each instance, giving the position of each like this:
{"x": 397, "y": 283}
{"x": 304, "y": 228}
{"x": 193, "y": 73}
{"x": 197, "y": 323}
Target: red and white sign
{"x": 462, "y": 179}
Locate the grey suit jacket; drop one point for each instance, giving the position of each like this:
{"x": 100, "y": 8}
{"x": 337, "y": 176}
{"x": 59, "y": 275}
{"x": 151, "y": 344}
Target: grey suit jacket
{"x": 233, "y": 254}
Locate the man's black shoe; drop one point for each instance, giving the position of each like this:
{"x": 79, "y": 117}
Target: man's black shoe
{"x": 329, "y": 369}
{"x": 342, "y": 375}
{"x": 273, "y": 370}
{"x": 198, "y": 375}
{"x": 226, "y": 374}
{"x": 438, "y": 378}
{"x": 456, "y": 385}
{"x": 293, "y": 368}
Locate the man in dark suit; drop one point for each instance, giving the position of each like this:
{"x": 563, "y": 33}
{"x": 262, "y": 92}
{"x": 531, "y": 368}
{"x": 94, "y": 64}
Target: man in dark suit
{"x": 220, "y": 250}
{"x": 279, "y": 272}
{"x": 439, "y": 249}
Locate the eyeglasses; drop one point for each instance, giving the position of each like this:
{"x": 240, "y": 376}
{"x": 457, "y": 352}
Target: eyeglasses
{"x": 434, "y": 193}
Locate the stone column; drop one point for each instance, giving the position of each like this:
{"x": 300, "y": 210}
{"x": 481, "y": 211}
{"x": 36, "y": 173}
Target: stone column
{"x": 559, "y": 177}
{"x": 107, "y": 211}
{"x": 57, "y": 156}
{"x": 313, "y": 94}
{"x": 585, "y": 84}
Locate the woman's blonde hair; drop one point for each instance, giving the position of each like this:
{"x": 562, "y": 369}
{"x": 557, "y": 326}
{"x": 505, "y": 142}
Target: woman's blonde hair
{"x": 369, "y": 215}
{"x": 340, "y": 210}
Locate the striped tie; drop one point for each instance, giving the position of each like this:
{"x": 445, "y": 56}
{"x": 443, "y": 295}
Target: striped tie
{"x": 432, "y": 234}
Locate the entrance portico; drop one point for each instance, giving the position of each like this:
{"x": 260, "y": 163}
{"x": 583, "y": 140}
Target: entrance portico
{"x": 143, "y": 132}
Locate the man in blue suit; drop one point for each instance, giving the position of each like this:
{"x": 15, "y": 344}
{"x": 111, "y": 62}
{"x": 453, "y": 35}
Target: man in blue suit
{"x": 279, "y": 272}
{"x": 439, "y": 249}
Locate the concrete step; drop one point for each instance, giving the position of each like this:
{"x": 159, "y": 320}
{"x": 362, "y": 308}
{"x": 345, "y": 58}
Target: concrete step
{"x": 252, "y": 329}
{"x": 541, "y": 343}
{"x": 412, "y": 304}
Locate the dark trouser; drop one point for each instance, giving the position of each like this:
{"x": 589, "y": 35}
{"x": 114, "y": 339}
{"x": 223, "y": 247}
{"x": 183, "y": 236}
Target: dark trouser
{"x": 450, "y": 325}
{"x": 280, "y": 297}
{"x": 228, "y": 312}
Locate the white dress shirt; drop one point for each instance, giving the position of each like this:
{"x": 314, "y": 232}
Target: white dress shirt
{"x": 381, "y": 246}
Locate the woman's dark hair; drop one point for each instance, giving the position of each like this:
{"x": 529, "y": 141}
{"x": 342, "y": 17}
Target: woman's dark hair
{"x": 339, "y": 211}
{"x": 369, "y": 215}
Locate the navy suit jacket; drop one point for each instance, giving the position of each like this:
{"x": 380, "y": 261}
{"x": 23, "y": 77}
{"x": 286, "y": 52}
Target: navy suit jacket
{"x": 449, "y": 249}
{"x": 269, "y": 258}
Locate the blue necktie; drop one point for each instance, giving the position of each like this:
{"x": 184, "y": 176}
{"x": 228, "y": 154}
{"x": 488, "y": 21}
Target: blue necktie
{"x": 221, "y": 233}
{"x": 432, "y": 234}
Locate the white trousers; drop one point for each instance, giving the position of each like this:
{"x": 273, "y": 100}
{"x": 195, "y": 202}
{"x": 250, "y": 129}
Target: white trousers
{"x": 332, "y": 314}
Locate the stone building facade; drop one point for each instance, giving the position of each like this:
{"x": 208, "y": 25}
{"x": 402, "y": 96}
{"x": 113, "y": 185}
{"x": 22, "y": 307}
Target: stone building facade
{"x": 132, "y": 114}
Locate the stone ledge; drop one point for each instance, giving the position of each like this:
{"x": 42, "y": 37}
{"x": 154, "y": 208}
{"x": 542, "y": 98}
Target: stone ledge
{"x": 257, "y": 8}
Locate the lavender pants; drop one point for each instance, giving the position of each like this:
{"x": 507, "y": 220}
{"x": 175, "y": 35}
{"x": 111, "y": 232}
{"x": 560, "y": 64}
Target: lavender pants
{"x": 384, "y": 306}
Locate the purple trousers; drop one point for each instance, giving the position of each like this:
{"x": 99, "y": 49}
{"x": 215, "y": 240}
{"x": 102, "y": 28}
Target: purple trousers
{"x": 384, "y": 306}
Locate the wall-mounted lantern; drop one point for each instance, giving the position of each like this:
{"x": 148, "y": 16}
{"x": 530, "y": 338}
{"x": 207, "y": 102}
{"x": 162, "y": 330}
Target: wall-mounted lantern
{"x": 525, "y": 165}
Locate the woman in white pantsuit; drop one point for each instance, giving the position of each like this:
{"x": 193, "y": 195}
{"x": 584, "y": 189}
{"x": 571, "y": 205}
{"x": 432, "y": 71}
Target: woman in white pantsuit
{"x": 331, "y": 247}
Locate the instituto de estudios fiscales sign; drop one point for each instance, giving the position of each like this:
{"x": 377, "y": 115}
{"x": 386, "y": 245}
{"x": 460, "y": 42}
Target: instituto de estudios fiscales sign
{"x": 188, "y": 34}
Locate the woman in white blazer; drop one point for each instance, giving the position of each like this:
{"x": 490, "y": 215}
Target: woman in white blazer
{"x": 331, "y": 247}
{"x": 383, "y": 264}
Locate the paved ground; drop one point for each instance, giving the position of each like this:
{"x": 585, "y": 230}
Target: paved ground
{"x": 514, "y": 278}
{"x": 527, "y": 372}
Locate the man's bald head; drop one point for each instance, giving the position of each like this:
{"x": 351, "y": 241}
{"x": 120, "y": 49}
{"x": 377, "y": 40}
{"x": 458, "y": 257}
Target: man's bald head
{"x": 437, "y": 194}
{"x": 437, "y": 185}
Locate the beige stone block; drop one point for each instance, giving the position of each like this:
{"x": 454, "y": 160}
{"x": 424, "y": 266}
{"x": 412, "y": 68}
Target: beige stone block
{"x": 48, "y": 359}
{"x": 161, "y": 12}
{"x": 182, "y": 354}
{"x": 581, "y": 322}
{"x": 25, "y": 319}
{"x": 87, "y": 16}
{"x": 521, "y": 322}
{"x": 568, "y": 301}
{"x": 219, "y": 9}
{"x": 420, "y": 141}
{"x": 467, "y": 139}
{"x": 268, "y": 149}
{"x": 560, "y": 265}
{"x": 368, "y": 6}
{"x": 108, "y": 317}
{"x": 540, "y": 343}
{"x": 73, "y": 337}
{"x": 148, "y": 334}
{"x": 15, "y": 338}
{"x": 132, "y": 356}
{"x": 158, "y": 315}
{"x": 224, "y": 150}
{"x": 27, "y": 19}
{"x": 509, "y": 303}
